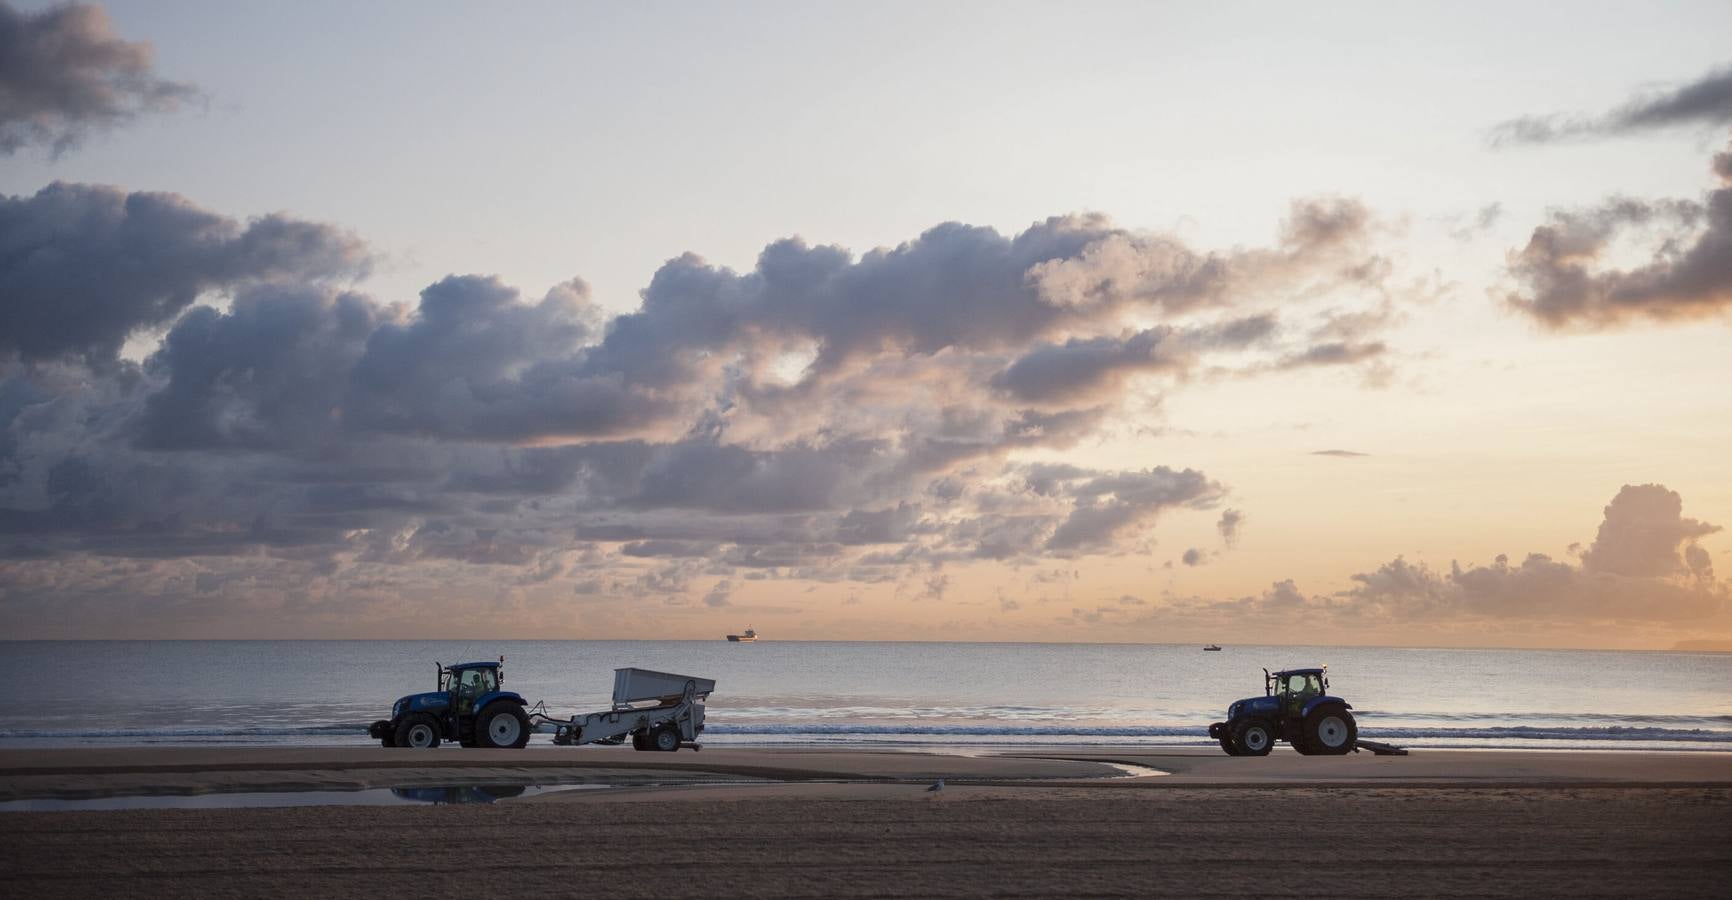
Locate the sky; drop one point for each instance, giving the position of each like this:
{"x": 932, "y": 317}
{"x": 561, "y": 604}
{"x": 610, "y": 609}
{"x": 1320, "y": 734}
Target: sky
{"x": 999, "y": 322}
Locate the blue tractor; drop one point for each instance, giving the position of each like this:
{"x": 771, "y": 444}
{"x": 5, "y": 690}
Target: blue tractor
{"x": 1295, "y": 707}
{"x": 469, "y": 707}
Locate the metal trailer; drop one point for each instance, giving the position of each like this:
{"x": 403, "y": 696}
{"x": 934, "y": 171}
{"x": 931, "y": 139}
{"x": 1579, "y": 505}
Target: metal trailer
{"x": 657, "y": 710}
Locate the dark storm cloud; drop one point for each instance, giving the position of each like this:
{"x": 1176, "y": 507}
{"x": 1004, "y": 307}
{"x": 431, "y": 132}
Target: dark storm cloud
{"x": 1565, "y": 280}
{"x": 84, "y": 267}
{"x": 64, "y": 74}
{"x": 1706, "y": 101}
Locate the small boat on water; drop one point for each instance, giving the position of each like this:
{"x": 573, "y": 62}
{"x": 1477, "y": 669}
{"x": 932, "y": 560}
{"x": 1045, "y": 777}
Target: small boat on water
{"x": 746, "y": 638}
{"x": 1213, "y": 647}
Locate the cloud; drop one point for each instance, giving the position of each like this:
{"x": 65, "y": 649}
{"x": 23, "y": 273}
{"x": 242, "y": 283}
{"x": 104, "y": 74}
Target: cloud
{"x": 1229, "y": 525}
{"x": 1344, "y": 454}
{"x": 1332, "y": 353}
{"x": 474, "y": 362}
{"x": 1644, "y": 535}
{"x": 826, "y": 416}
{"x": 271, "y": 372}
{"x": 1085, "y": 368}
{"x": 1105, "y": 507}
{"x": 64, "y": 74}
{"x": 719, "y": 594}
{"x": 1566, "y": 280}
{"x": 84, "y": 267}
{"x": 1707, "y": 102}
{"x": 1643, "y": 567}
{"x": 1482, "y": 221}
{"x": 1193, "y": 557}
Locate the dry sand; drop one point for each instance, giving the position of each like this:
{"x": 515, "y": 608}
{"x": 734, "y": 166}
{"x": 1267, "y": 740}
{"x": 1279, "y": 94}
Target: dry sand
{"x": 837, "y": 823}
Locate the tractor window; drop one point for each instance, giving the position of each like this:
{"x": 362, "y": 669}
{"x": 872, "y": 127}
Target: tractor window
{"x": 1295, "y": 684}
{"x": 471, "y": 685}
{"x": 476, "y": 682}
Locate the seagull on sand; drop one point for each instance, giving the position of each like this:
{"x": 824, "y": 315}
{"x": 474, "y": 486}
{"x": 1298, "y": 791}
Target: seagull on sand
{"x": 936, "y": 786}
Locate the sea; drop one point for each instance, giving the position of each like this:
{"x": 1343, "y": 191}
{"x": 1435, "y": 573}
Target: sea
{"x": 957, "y": 696}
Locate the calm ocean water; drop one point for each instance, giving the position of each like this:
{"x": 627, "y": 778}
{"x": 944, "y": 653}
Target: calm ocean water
{"x": 907, "y": 694}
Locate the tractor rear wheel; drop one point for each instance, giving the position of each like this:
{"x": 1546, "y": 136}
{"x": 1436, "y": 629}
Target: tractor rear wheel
{"x": 666, "y": 739}
{"x": 1330, "y": 731}
{"x": 418, "y": 732}
{"x": 1253, "y": 738}
{"x": 502, "y": 725}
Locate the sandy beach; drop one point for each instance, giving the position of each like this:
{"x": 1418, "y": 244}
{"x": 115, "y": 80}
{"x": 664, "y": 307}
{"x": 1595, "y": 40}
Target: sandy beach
{"x": 783, "y": 822}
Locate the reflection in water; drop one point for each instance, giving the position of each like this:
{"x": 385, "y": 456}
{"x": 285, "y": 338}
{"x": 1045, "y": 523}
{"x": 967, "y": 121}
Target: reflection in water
{"x": 398, "y": 796}
{"x": 460, "y": 793}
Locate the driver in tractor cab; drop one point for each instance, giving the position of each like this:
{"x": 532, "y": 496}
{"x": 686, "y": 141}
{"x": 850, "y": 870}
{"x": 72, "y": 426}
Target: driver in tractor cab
{"x": 1299, "y": 690}
{"x": 473, "y": 684}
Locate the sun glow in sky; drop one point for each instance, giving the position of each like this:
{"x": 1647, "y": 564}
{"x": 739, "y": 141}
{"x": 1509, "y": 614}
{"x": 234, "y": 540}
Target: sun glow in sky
{"x": 1123, "y": 322}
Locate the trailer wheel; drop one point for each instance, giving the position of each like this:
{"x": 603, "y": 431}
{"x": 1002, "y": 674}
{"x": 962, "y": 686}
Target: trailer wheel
{"x": 503, "y": 725}
{"x": 1330, "y": 731}
{"x": 418, "y": 732}
{"x": 666, "y": 739}
{"x": 1253, "y": 738}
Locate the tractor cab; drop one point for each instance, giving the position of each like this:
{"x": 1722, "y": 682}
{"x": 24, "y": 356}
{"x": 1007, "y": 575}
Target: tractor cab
{"x": 465, "y": 683}
{"x": 470, "y": 707}
{"x": 1294, "y": 688}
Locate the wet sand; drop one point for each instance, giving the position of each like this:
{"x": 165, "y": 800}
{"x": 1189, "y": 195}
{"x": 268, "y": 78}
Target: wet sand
{"x": 775, "y": 822}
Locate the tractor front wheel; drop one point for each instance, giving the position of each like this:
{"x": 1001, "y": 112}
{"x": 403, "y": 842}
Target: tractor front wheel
{"x": 1330, "y": 731}
{"x": 1253, "y": 738}
{"x": 1227, "y": 745}
{"x": 418, "y": 732}
{"x": 502, "y": 725}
